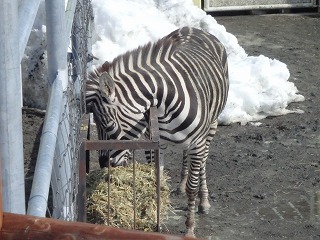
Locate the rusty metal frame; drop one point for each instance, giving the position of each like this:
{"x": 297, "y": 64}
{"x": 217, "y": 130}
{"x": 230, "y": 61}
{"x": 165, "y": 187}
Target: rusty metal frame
{"x": 89, "y": 145}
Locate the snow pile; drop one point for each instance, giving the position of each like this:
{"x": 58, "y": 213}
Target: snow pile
{"x": 259, "y": 86}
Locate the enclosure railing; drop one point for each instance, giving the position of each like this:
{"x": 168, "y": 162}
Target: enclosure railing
{"x": 60, "y": 141}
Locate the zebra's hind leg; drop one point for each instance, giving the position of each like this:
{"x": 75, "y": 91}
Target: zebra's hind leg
{"x": 195, "y": 157}
{"x": 184, "y": 175}
{"x": 203, "y": 194}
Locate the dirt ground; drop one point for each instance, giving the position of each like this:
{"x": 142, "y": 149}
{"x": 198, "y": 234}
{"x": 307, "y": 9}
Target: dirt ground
{"x": 264, "y": 181}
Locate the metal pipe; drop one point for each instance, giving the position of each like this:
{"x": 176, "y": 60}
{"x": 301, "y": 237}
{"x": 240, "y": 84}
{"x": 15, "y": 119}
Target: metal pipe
{"x": 11, "y": 138}
{"x": 27, "y": 14}
{"x": 37, "y": 205}
{"x": 58, "y": 79}
{"x": 56, "y": 42}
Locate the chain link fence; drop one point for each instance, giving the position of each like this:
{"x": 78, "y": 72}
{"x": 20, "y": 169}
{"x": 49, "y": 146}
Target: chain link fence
{"x": 65, "y": 172}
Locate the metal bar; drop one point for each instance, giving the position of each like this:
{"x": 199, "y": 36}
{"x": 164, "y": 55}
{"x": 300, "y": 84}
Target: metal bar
{"x": 82, "y": 197}
{"x": 11, "y": 138}
{"x": 134, "y": 189}
{"x": 56, "y": 42}
{"x": 158, "y": 187}
{"x": 154, "y": 125}
{"x": 87, "y": 151}
{"x": 109, "y": 180}
{"x": 85, "y": 134}
{"x": 119, "y": 144}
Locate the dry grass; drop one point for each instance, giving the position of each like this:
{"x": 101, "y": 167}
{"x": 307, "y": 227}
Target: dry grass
{"x": 121, "y": 197}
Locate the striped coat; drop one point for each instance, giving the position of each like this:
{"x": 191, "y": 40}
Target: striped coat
{"x": 185, "y": 75}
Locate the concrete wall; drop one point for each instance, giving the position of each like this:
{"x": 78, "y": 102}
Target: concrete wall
{"x": 216, "y": 5}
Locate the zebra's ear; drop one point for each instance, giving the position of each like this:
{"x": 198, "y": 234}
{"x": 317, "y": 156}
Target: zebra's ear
{"x": 106, "y": 84}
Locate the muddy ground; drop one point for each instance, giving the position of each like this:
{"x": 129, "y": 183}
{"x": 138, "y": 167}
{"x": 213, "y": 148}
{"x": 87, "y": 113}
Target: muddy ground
{"x": 264, "y": 181}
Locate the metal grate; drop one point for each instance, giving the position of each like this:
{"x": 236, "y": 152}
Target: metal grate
{"x": 151, "y": 144}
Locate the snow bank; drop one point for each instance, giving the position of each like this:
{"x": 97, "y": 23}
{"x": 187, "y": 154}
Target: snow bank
{"x": 259, "y": 86}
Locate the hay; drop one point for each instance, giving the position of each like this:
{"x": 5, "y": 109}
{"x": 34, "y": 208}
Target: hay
{"x": 121, "y": 197}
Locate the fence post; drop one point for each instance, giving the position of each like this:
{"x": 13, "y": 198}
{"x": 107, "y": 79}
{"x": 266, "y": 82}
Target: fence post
{"x": 11, "y": 138}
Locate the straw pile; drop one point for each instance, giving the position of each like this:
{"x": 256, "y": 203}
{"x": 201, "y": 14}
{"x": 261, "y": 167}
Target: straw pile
{"x": 121, "y": 197}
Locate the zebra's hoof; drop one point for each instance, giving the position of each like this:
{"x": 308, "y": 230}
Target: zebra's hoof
{"x": 190, "y": 233}
{"x": 203, "y": 210}
{"x": 180, "y": 192}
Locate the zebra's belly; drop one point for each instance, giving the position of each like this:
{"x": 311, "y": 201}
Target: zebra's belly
{"x": 183, "y": 137}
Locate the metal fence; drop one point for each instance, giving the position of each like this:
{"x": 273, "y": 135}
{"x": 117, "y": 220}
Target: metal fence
{"x": 60, "y": 141}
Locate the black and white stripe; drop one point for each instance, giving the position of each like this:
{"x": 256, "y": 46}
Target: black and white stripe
{"x": 185, "y": 75}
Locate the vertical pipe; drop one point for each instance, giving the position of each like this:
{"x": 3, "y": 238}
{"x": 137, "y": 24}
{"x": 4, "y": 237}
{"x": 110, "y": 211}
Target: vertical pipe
{"x": 134, "y": 189}
{"x": 11, "y": 140}
{"x": 82, "y": 198}
{"x": 57, "y": 59}
{"x": 56, "y": 42}
{"x": 158, "y": 188}
{"x": 109, "y": 191}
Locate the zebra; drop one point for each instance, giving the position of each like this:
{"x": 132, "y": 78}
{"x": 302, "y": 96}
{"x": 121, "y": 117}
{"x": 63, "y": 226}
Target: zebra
{"x": 185, "y": 75}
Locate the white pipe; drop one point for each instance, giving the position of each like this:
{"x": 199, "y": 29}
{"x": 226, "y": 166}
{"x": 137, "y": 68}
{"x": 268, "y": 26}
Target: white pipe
{"x": 27, "y": 14}
{"x": 37, "y": 205}
{"x": 11, "y": 138}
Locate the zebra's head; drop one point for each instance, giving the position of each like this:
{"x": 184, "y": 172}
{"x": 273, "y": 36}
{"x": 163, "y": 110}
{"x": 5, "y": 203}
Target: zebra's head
{"x": 109, "y": 116}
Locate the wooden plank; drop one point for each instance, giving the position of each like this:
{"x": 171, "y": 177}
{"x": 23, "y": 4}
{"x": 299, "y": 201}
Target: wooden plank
{"x": 119, "y": 144}
{"x": 16, "y": 226}
{"x": 1, "y": 210}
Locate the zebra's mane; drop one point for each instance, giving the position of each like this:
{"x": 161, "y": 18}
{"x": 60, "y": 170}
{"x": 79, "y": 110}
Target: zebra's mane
{"x": 172, "y": 40}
